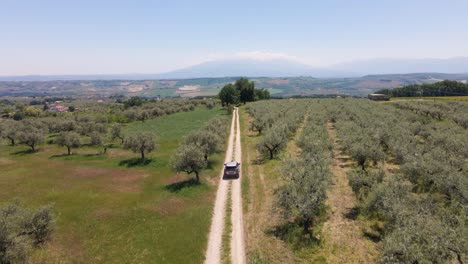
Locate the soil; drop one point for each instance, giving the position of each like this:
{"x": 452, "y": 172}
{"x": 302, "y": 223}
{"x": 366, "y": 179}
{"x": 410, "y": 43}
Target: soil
{"x": 342, "y": 232}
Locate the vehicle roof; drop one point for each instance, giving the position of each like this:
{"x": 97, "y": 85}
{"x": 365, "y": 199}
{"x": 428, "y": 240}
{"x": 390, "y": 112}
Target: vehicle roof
{"x": 231, "y": 164}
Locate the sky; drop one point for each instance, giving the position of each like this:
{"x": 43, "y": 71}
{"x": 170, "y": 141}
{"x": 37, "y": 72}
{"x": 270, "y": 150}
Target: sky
{"x": 142, "y": 36}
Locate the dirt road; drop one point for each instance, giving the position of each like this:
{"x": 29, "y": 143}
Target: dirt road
{"x": 237, "y": 236}
{"x": 237, "y": 246}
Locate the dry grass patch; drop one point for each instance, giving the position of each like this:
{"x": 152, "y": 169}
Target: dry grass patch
{"x": 102, "y": 214}
{"x": 5, "y": 162}
{"x": 88, "y": 172}
{"x": 260, "y": 218}
{"x": 170, "y": 207}
{"x": 121, "y": 180}
{"x": 55, "y": 251}
{"x": 343, "y": 236}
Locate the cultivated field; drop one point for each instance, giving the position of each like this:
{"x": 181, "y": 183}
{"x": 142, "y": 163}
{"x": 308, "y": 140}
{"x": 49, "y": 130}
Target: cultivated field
{"x": 355, "y": 181}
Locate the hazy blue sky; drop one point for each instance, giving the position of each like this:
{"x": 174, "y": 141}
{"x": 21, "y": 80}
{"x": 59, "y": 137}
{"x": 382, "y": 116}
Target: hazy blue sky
{"x": 100, "y": 36}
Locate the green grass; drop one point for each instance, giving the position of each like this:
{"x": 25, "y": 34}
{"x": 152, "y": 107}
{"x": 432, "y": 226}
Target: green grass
{"x": 108, "y": 213}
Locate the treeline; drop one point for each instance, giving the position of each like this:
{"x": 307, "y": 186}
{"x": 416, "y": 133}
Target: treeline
{"x": 444, "y": 88}
{"x": 73, "y": 132}
{"x": 121, "y": 110}
{"x": 99, "y": 128}
{"x": 241, "y": 91}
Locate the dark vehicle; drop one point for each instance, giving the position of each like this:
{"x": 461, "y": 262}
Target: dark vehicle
{"x": 231, "y": 169}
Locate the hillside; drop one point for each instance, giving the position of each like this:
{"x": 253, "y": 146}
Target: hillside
{"x": 287, "y": 86}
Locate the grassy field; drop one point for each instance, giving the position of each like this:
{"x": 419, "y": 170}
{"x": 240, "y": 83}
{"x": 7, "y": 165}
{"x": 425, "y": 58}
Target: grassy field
{"x": 109, "y": 211}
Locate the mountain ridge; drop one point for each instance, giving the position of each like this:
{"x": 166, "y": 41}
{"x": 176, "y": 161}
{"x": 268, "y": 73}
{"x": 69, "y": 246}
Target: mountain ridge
{"x": 277, "y": 68}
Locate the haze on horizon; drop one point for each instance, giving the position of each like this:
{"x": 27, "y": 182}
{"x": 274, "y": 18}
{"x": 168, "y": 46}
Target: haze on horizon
{"x": 110, "y": 37}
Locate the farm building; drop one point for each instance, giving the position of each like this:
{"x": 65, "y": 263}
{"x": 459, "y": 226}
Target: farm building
{"x": 58, "y": 108}
{"x": 378, "y": 97}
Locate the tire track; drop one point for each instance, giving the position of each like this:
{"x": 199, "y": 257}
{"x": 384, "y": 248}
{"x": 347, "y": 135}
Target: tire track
{"x": 237, "y": 238}
{"x": 213, "y": 251}
{"x": 237, "y": 246}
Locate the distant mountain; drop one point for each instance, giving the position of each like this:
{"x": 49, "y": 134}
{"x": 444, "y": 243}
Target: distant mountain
{"x": 402, "y": 66}
{"x": 254, "y": 68}
{"x": 278, "y": 68}
{"x": 211, "y": 69}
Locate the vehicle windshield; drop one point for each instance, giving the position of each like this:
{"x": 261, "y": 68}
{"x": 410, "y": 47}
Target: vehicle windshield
{"x": 230, "y": 168}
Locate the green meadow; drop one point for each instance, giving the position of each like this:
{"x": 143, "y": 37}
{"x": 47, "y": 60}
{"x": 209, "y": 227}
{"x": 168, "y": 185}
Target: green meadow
{"x": 109, "y": 208}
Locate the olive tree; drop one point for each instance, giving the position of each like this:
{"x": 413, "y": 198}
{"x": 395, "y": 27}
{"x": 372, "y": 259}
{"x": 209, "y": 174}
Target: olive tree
{"x": 69, "y": 140}
{"x": 208, "y": 142}
{"x": 11, "y": 130}
{"x": 142, "y": 115}
{"x": 97, "y": 140}
{"x": 273, "y": 141}
{"x": 31, "y": 137}
{"x": 116, "y": 132}
{"x": 21, "y": 230}
{"x": 259, "y": 124}
{"x": 217, "y": 126}
{"x": 190, "y": 159}
{"x": 421, "y": 238}
{"x": 62, "y": 125}
{"x": 362, "y": 181}
{"x": 363, "y": 152}
{"x": 304, "y": 192}
{"x": 140, "y": 143}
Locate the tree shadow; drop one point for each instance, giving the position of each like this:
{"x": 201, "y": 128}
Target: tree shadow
{"x": 179, "y": 186}
{"x": 76, "y": 155}
{"x": 294, "y": 235}
{"x": 61, "y": 155}
{"x": 374, "y": 233}
{"x": 210, "y": 164}
{"x": 133, "y": 162}
{"x": 258, "y": 161}
{"x": 352, "y": 214}
{"x": 24, "y": 152}
{"x": 346, "y": 165}
{"x": 230, "y": 178}
{"x": 91, "y": 155}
